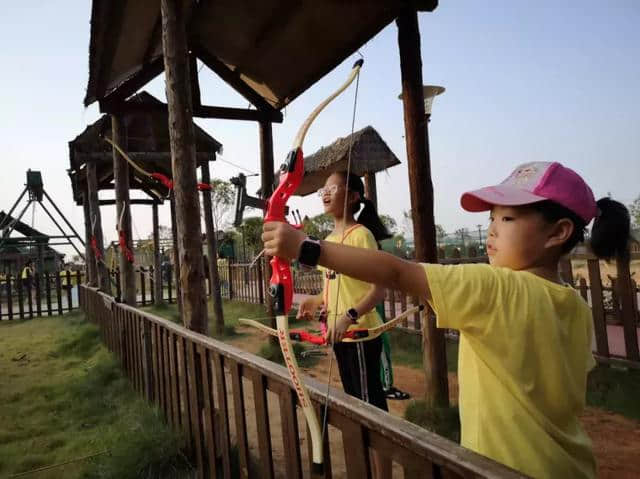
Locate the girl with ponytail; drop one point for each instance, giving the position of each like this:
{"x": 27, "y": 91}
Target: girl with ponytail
{"x": 349, "y": 303}
{"x": 525, "y": 336}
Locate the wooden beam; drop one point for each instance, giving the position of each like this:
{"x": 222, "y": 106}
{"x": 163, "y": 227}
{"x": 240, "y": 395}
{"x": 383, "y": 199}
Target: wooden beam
{"x": 232, "y": 78}
{"x": 132, "y": 202}
{"x": 90, "y": 259}
{"x": 195, "y": 83}
{"x": 140, "y": 156}
{"x": 123, "y": 211}
{"x": 200, "y": 111}
{"x": 182, "y": 136}
{"x": 266, "y": 189}
{"x": 212, "y": 250}
{"x": 102, "y": 275}
{"x": 421, "y": 190}
{"x": 157, "y": 266}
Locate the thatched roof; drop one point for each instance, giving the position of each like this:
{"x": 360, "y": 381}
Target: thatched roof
{"x": 270, "y": 52}
{"x": 147, "y": 143}
{"x": 369, "y": 154}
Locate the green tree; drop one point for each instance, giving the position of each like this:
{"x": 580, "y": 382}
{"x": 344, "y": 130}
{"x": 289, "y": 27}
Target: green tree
{"x": 319, "y": 226}
{"x": 389, "y": 223}
{"x": 222, "y": 198}
{"x": 634, "y": 210}
{"x": 251, "y": 231}
{"x": 440, "y": 233}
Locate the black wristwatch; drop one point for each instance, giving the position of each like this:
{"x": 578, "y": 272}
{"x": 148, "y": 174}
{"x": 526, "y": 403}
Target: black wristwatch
{"x": 353, "y": 315}
{"x": 309, "y": 252}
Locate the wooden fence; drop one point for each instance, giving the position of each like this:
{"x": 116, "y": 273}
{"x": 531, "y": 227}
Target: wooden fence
{"x": 47, "y": 294}
{"x": 225, "y": 399}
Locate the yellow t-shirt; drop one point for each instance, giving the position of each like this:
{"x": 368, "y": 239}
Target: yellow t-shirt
{"x": 351, "y": 290}
{"x": 525, "y": 351}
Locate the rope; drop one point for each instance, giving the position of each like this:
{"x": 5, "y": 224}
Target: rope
{"x": 33, "y": 471}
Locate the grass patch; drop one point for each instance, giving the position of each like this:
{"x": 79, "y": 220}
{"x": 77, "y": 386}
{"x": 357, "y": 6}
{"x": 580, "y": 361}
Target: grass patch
{"x": 442, "y": 421}
{"x": 232, "y": 310}
{"x": 616, "y": 390}
{"x": 406, "y": 349}
{"x": 67, "y": 399}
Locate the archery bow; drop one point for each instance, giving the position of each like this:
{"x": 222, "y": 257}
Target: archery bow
{"x": 281, "y": 283}
{"x": 355, "y": 335}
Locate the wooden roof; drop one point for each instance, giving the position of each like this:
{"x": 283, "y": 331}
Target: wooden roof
{"x": 147, "y": 143}
{"x": 270, "y": 52}
{"x": 369, "y": 154}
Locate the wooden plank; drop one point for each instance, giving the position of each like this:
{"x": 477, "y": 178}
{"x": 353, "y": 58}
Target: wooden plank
{"x": 597, "y": 308}
{"x": 290, "y": 434}
{"x": 195, "y": 405}
{"x": 262, "y": 425}
{"x": 143, "y": 287}
{"x": 183, "y": 390}
{"x": 154, "y": 363}
{"x": 355, "y": 450}
{"x": 240, "y": 419}
{"x": 403, "y": 308}
{"x": 208, "y": 413}
{"x": 392, "y": 451}
{"x": 170, "y": 284}
{"x": 10, "y": 298}
{"x": 20, "y": 298}
{"x": 47, "y": 283}
{"x": 58, "y": 293}
{"x": 69, "y": 288}
{"x": 223, "y": 413}
{"x": 175, "y": 397}
{"x": 417, "y": 323}
{"x": 147, "y": 359}
{"x": 628, "y": 313}
{"x": 392, "y": 302}
{"x": 163, "y": 362}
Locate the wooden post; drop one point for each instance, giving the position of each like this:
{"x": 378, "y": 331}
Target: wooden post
{"x": 212, "y": 256}
{"x": 183, "y": 163}
{"x": 176, "y": 256}
{"x": 90, "y": 259}
{"x": 370, "y": 188}
{"x": 266, "y": 188}
{"x": 421, "y": 189}
{"x": 96, "y": 220}
{"x": 157, "y": 267}
{"x": 123, "y": 211}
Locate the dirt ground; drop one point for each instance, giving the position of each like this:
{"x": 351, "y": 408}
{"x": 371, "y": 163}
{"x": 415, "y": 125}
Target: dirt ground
{"x": 616, "y": 439}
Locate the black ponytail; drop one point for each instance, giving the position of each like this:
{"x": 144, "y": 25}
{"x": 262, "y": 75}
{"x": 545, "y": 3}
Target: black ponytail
{"x": 611, "y": 230}
{"x": 368, "y": 217}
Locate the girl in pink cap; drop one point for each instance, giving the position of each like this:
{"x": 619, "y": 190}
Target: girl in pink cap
{"x": 525, "y": 336}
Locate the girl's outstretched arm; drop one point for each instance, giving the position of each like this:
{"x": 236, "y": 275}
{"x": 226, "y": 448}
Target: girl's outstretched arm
{"x": 378, "y": 267}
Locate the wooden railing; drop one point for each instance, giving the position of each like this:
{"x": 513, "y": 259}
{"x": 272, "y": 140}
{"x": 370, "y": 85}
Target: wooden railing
{"x": 225, "y": 399}
{"x": 46, "y": 294}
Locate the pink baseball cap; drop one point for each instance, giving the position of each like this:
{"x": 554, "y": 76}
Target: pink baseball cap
{"x": 533, "y": 182}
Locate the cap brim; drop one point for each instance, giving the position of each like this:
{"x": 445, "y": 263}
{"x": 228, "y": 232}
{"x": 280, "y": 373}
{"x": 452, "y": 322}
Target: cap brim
{"x": 502, "y": 195}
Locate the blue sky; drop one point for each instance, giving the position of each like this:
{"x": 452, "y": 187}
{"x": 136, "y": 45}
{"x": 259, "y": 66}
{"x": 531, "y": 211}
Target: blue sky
{"x": 552, "y": 81}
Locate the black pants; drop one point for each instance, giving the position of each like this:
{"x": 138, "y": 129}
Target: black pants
{"x": 359, "y": 365}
